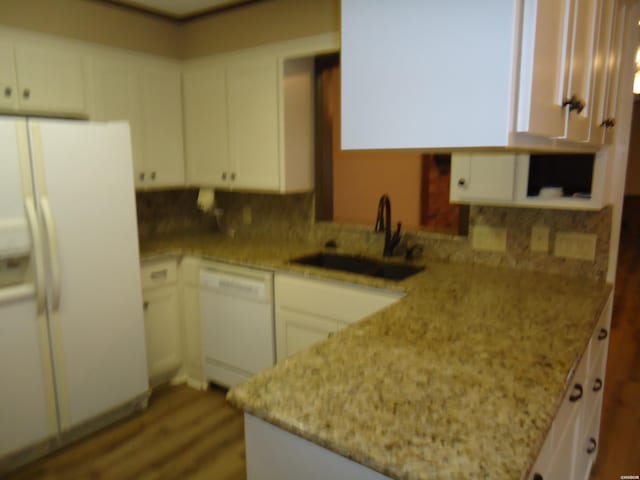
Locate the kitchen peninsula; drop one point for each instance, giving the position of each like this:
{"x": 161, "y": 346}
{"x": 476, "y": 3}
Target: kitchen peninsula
{"x": 461, "y": 378}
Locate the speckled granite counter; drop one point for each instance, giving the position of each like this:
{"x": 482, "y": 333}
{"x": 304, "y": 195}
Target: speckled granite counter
{"x": 459, "y": 379}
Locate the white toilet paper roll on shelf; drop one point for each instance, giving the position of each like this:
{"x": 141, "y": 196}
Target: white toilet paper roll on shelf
{"x": 206, "y": 199}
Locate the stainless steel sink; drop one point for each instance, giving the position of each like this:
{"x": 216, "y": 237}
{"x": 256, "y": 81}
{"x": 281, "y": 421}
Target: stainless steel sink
{"x": 360, "y": 265}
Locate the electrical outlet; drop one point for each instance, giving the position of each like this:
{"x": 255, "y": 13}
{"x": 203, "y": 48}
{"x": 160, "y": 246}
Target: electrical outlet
{"x": 581, "y": 246}
{"x": 489, "y": 238}
{"x": 247, "y": 217}
{"x": 540, "y": 238}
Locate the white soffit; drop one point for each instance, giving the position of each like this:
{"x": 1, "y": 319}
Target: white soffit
{"x": 180, "y": 9}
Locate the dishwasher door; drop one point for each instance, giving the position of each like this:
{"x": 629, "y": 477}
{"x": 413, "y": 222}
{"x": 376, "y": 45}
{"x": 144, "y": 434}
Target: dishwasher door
{"x": 236, "y": 310}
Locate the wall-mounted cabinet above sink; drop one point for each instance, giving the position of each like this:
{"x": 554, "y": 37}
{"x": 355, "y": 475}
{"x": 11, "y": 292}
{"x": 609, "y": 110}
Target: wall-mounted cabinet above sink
{"x": 519, "y": 74}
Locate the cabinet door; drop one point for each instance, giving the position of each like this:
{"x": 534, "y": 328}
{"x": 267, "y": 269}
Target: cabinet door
{"x": 206, "y": 133}
{"x": 50, "y": 80}
{"x": 118, "y": 98}
{"x": 612, "y": 71}
{"x": 545, "y": 33}
{"x": 580, "y": 67}
{"x": 162, "y": 117}
{"x": 253, "y": 124}
{"x": 8, "y": 84}
{"x": 298, "y": 331}
{"x": 162, "y": 331}
{"x": 477, "y": 176}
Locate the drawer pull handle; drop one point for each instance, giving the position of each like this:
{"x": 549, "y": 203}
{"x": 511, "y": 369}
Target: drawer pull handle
{"x": 577, "y": 388}
{"x": 592, "y": 446}
{"x": 603, "y": 334}
{"x": 159, "y": 274}
{"x": 597, "y": 385}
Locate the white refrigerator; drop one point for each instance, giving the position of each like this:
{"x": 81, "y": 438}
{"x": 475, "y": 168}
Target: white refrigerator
{"x": 72, "y": 346}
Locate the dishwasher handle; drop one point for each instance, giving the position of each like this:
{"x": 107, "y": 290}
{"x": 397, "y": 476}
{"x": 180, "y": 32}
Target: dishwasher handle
{"x": 233, "y": 284}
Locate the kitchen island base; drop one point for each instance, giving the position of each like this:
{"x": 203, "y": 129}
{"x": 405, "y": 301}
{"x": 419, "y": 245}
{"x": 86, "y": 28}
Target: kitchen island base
{"x": 275, "y": 454}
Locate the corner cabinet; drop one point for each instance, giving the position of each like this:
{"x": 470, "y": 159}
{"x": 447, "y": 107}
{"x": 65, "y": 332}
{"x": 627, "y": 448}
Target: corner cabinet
{"x": 512, "y": 73}
{"x": 42, "y": 78}
{"x": 249, "y": 123}
{"x": 147, "y": 94}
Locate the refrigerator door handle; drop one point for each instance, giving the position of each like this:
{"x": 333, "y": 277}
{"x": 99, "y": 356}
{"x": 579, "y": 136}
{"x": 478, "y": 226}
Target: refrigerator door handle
{"x": 36, "y": 240}
{"x": 52, "y": 243}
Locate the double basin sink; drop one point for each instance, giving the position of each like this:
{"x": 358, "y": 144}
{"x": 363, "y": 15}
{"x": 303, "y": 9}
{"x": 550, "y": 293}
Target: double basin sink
{"x": 360, "y": 265}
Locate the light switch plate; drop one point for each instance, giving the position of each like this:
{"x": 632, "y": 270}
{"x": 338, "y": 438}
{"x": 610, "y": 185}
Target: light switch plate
{"x": 581, "y": 246}
{"x": 493, "y": 239}
{"x": 540, "y": 238}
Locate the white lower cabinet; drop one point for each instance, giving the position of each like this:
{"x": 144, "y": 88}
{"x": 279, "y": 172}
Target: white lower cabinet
{"x": 310, "y": 310}
{"x": 571, "y": 446}
{"x": 162, "y": 319}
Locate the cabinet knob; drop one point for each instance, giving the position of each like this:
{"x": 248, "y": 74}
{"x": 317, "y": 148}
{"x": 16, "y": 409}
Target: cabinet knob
{"x": 603, "y": 334}
{"x": 574, "y": 103}
{"x": 577, "y": 393}
{"x": 462, "y": 182}
{"x": 8, "y": 91}
{"x": 153, "y": 175}
{"x": 233, "y": 175}
{"x": 608, "y": 123}
{"x": 224, "y": 175}
{"x": 26, "y": 93}
{"x": 592, "y": 446}
{"x": 145, "y": 305}
{"x": 537, "y": 476}
{"x": 597, "y": 385}
{"x": 141, "y": 176}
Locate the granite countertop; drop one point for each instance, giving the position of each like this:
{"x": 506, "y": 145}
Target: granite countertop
{"x": 461, "y": 378}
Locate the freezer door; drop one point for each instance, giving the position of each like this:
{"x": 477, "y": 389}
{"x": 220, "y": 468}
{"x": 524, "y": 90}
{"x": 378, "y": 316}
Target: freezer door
{"x": 85, "y": 191}
{"x": 27, "y": 408}
{"x": 14, "y": 234}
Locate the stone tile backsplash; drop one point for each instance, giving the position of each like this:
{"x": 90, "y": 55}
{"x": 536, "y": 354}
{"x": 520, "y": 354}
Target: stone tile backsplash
{"x": 291, "y": 216}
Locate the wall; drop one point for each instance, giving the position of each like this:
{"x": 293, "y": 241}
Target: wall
{"x": 96, "y": 22}
{"x": 258, "y": 23}
{"x": 632, "y": 185}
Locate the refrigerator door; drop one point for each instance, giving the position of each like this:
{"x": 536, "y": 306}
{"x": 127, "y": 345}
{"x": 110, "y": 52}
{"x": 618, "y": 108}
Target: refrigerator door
{"x": 27, "y": 406}
{"x": 85, "y": 193}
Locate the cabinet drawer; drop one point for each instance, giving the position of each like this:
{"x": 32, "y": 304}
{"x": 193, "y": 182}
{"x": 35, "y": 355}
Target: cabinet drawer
{"x": 340, "y": 302}
{"x": 158, "y": 273}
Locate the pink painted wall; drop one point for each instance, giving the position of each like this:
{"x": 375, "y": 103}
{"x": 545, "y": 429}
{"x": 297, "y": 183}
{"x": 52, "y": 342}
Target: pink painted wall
{"x": 360, "y": 177}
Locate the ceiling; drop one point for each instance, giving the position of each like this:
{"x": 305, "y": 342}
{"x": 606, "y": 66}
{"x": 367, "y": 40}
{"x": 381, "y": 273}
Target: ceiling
{"x": 180, "y": 9}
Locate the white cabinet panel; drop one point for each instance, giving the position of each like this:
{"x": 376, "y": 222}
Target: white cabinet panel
{"x": 8, "y": 81}
{"x": 162, "y": 328}
{"x": 148, "y": 95}
{"x": 206, "y": 132}
{"x": 253, "y": 123}
{"x": 42, "y": 78}
{"x": 300, "y": 331}
{"x": 162, "y": 117}
{"x": 480, "y": 176}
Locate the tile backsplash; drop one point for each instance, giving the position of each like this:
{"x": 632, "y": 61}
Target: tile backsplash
{"x": 503, "y": 237}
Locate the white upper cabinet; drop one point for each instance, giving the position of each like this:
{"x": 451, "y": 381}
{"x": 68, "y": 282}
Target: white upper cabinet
{"x": 205, "y": 113}
{"x": 463, "y": 74}
{"x": 39, "y": 77}
{"x": 482, "y": 177}
{"x": 249, "y": 122}
{"x": 148, "y": 95}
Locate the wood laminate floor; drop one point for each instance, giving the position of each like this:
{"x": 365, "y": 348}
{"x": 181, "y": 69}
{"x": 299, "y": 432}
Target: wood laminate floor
{"x": 191, "y": 435}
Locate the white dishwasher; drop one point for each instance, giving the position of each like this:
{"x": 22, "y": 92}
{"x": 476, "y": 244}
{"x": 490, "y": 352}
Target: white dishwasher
{"x": 236, "y": 312}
